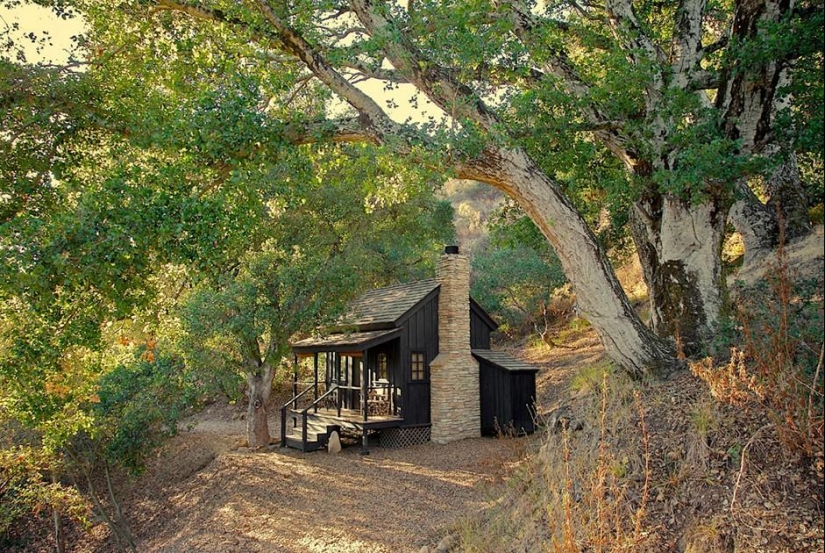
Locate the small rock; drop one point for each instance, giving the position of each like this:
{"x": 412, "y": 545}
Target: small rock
{"x": 558, "y": 419}
{"x": 561, "y": 418}
{"x": 425, "y": 549}
{"x": 446, "y": 544}
{"x": 334, "y": 443}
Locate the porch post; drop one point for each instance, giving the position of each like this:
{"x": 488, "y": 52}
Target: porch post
{"x": 365, "y": 386}
{"x": 294, "y": 380}
{"x": 338, "y": 381}
{"x": 315, "y": 360}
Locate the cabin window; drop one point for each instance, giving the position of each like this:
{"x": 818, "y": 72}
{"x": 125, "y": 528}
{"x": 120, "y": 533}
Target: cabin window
{"x": 383, "y": 372}
{"x": 419, "y": 366}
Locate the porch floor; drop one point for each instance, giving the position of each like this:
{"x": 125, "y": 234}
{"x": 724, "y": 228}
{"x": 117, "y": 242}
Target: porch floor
{"x": 355, "y": 418}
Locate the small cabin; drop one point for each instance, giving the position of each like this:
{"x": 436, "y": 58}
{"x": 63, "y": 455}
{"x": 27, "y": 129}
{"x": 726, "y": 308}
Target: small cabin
{"x": 410, "y": 363}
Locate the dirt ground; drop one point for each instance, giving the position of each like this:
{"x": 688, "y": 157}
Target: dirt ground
{"x": 203, "y": 493}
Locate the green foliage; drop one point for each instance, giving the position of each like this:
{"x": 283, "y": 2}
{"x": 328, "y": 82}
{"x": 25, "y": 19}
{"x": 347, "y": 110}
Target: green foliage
{"x": 511, "y": 228}
{"x": 782, "y": 303}
{"x": 777, "y": 356}
{"x": 513, "y": 281}
{"x": 358, "y": 221}
{"x": 126, "y": 203}
{"x": 140, "y": 404}
{"x": 590, "y": 379}
{"x": 515, "y": 277}
{"x": 25, "y": 474}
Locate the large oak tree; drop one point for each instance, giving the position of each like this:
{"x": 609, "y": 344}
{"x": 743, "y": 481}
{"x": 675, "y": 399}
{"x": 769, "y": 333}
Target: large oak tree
{"x": 687, "y": 96}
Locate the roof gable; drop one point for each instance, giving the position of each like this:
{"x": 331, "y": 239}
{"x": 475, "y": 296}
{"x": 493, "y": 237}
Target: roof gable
{"x": 383, "y": 307}
{"x": 482, "y": 314}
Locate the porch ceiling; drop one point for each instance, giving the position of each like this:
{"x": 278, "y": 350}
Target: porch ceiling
{"x": 353, "y": 341}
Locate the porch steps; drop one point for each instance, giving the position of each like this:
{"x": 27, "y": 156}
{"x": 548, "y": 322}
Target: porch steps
{"x": 318, "y": 432}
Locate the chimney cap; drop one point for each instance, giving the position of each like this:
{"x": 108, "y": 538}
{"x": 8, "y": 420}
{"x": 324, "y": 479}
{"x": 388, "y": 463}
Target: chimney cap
{"x": 451, "y": 250}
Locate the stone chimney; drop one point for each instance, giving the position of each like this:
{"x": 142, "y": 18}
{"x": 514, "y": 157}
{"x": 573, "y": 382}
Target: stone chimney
{"x": 455, "y": 409}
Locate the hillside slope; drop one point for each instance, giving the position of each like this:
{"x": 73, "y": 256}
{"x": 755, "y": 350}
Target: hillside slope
{"x": 668, "y": 465}
{"x": 632, "y": 466}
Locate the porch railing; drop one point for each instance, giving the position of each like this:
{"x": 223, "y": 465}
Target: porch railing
{"x": 294, "y": 401}
{"x": 305, "y": 411}
{"x": 381, "y": 399}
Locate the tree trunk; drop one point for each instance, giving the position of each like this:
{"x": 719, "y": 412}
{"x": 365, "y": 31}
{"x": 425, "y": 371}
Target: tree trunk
{"x": 599, "y": 295}
{"x": 749, "y": 99}
{"x": 679, "y": 248}
{"x": 758, "y": 226}
{"x": 787, "y": 207}
{"x": 59, "y": 530}
{"x": 257, "y": 423}
{"x": 789, "y": 200}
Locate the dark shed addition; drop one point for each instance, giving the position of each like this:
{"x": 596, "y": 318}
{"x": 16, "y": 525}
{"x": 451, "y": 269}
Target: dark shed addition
{"x": 508, "y": 388}
{"x": 412, "y": 361}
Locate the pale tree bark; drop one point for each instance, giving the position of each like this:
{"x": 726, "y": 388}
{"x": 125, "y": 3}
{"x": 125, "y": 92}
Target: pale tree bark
{"x": 749, "y": 100}
{"x": 59, "y": 529}
{"x": 679, "y": 240}
{"x": 599, "y": 295}
{"x": 598, "y": 292}
{"x": 785, "y": 212}
{"x": 679, "y": 245}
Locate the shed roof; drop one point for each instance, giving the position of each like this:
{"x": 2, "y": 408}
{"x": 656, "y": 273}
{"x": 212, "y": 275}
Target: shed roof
{"x": 503, "y": 360}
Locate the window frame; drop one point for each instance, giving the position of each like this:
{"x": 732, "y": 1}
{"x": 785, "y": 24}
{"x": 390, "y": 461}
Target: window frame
{"x": 418, "y": 366}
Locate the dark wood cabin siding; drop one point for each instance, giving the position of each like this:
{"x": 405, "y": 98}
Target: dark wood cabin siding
{"x": 507, "y": 399}
{"x": 523, "y": 394}
{"x": 495, "y": 394}
{"x": 420, "y": 335}
{"x": 479, "y": 331}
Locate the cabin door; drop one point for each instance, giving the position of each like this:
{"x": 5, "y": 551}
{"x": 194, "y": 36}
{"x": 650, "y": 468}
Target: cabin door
{"x": 351, "y": 378}
{"x": 417, "y": 401}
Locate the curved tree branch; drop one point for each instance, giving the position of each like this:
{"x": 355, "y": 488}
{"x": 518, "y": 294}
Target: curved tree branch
{"x": 435, "y": 81}
{"x": 374, "y": 120}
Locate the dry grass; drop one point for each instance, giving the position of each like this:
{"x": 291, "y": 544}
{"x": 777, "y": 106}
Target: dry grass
{"x": 665, "y": 466}
{"x": 581, "y": 491}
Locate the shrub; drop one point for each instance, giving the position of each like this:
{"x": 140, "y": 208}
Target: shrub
{"x": 779, "y": 360}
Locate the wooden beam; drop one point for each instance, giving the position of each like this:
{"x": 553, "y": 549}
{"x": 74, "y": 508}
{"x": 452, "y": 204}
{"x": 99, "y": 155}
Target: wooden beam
{"x": 365, "y": 383}
{"x": 315, "y": 363}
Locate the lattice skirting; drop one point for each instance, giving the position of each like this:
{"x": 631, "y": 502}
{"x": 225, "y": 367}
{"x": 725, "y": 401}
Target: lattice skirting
{"x": 403, "y": 437}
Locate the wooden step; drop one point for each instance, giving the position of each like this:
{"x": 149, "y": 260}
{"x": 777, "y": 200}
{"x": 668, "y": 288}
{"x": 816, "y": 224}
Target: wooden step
{"x": 297, "y": 443}
{"x": 317, "y": 432}
{"x": 331, "y": 420}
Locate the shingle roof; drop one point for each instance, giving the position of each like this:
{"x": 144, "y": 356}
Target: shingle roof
{"x": 385, "y": 306}
{"x": 355, "y": 341}
{"x": 503, "y": 360}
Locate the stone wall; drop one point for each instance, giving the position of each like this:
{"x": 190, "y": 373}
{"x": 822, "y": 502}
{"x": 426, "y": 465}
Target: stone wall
{"x": 455, "y": 410}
